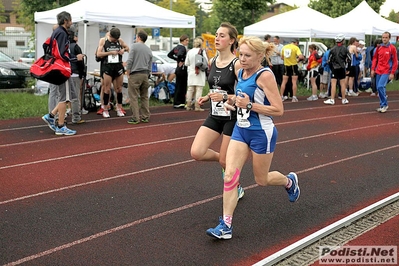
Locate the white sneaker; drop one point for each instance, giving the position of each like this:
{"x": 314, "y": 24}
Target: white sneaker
{"x": 312, "y": 98}
{"x": 323, "y": 95}
{"x": 382, "y": 109}
{"x": 84, "y": 111}
{"x": 294, "y": 99}
{"x": 283, "y": 98}
{"x": 119, "y": 112}
{"x": 345, "y": 101}
{"x": 106, "y": 114}
{"x": 352, "y": 93}
{"x": 329, "y": 101}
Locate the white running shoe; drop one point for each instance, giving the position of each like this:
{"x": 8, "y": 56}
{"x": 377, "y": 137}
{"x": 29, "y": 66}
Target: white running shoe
{"x": 106, "y": 114}
{"x": 312, "y": 98}
{"x": 294, "y": 99}
{"x": 323, "y": 95}
{"x": 119, "y": 112}
{"x": 345, "y": 101}
{"x": 329, "y": 101}
{"x": 352, "y": 93}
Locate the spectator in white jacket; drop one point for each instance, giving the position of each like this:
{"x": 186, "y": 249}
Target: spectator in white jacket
{"x": 196, "y": 77}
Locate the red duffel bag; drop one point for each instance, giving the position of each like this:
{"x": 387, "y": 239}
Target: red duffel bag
{"x": 51, "y": 67}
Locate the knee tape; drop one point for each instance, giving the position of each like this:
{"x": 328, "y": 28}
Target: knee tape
{"x": 233, "y": 182}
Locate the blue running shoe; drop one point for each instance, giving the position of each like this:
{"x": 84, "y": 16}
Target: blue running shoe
{"x": 240, "y": 191}
{"x": 293, "y": 191}
{"x": 64, "y": 131}
{"x": 222, "y": 231}
{"x": 49, "y": 121}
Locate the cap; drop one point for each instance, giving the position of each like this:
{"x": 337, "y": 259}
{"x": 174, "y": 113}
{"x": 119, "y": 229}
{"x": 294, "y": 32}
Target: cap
{"x": 362, "y": 43}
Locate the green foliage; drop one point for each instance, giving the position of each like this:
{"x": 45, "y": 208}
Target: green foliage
{"x": 27, "y": 8}
{"x": 335, "y": 8}
{"x": 2, "y": 18}
{"x": 187, "y": 7}
{"x": 393, "y": 16}
{"x": 240, "y": 13}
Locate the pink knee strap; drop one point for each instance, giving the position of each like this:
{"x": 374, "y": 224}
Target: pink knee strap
{"x": 233, "y": 182}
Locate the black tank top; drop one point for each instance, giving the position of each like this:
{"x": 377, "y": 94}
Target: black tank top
{"x": 223, "y": 79}
{"x": 112, "y": 46}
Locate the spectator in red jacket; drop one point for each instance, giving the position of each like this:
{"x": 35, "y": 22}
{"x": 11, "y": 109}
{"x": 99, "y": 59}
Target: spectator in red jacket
{"x": 385, "y": 63}
{"x": 314, "y": 62}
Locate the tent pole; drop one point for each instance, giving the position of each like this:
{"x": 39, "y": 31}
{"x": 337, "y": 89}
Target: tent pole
{"x": 85, "y": 36}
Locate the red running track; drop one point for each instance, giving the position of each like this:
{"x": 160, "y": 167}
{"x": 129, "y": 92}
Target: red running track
{"x": 120, "y": 194}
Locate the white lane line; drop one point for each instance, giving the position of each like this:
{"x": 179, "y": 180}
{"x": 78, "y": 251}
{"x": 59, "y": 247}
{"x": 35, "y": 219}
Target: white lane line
{"x": 187, "y": 137}
{"x": 102, "y": 132}
{"x": 175, "y": 123}
{"x": 94, "y": 182}
{"x": 90, "y": 121}
{"x": 162, "y": 214}
{"x": 94, "y": 152}
{"x": 306, "y": 241}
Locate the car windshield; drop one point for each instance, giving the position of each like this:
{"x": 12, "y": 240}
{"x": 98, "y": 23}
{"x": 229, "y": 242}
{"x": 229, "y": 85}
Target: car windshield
{"x": 165, "y": 58}
{"x": 5, "y": 58}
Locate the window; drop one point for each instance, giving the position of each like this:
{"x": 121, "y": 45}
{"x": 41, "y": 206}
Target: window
{"x": 20, "y": 43}
{"x": 3, "y": 44}
{"x": 7, "y": 19}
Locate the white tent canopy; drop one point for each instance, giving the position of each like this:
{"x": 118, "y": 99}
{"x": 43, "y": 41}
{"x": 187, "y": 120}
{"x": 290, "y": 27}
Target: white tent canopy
{"x": 364, "y": 19}
{"x": 302, "y": 22}
{"x": 127, "y": 15}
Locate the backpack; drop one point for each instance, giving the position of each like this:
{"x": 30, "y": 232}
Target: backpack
{"x": 200, "y": 61}
{"x": 162, "y": 93}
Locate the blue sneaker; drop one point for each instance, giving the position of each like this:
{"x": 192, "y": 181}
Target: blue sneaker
{"x": 222, "y": 231}
{"x": 64, "y": 131}
{"x": 240, "y": 190}
{"x": 293, "y": 191}
{"x": 49, "y": 121}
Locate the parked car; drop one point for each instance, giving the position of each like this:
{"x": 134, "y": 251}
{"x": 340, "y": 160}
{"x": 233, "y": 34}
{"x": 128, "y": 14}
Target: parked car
{"x": 13, "y": 74}
{"x": 27, "y": 57}
{"x": 161, "y": 57}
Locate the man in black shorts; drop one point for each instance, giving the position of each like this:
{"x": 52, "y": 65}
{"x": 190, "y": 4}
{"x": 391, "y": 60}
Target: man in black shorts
{"x": 111, "y": 48}
{"x": 339, "y": 60}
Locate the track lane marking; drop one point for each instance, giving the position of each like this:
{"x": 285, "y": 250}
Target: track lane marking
{"x": 173, "y": 123}
{"x": 172, "y": 211}
{"x": 187, "y": 137}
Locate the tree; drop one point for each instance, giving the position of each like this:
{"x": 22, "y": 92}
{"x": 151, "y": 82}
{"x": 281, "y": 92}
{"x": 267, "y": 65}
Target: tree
{"x": 2, "y": 18}
{"x": 239, "y": 12}
{"x": 27, "y": 8}
{"x": 187, "y": 7}
{"x": 393, "y": 16}
{"x": 335, "y": 8}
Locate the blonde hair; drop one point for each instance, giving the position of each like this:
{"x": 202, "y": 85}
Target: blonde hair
{"x": 261, "y": 48}
{"x": 197, "y": 42}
